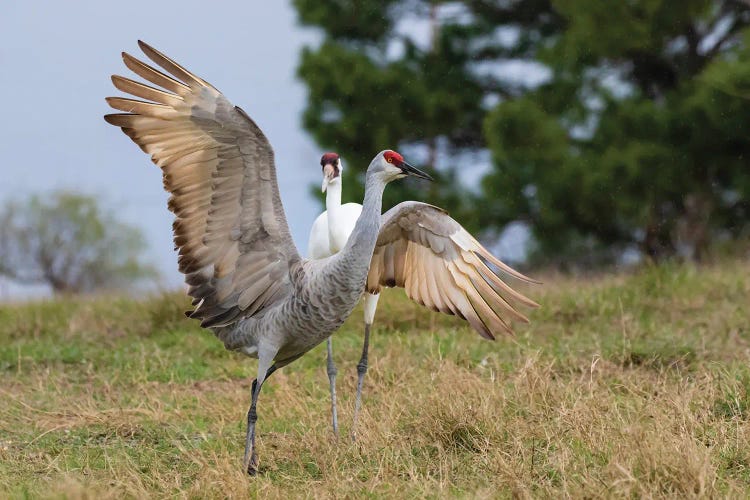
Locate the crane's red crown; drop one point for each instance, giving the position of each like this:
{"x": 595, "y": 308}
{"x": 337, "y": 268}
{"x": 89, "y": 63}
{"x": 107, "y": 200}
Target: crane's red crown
{"x": 393, "y": 157}
{"x": 329, "y": 159}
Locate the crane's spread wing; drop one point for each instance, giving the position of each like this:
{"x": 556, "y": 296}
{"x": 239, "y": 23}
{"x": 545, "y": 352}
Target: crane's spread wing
{"x": 441, "y": 266}
{"x": 234, "y": 243}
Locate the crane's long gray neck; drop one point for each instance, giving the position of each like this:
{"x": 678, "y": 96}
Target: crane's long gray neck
{"x": 357, "y": 254}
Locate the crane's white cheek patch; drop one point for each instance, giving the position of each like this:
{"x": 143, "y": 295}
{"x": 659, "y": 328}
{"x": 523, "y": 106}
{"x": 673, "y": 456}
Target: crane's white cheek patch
{"x": 394, "y": 172}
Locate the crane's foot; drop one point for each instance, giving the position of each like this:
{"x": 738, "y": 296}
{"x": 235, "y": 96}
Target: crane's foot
{"x": 250, "y": 460}
{"x": 252, "y": 466}
{"x": 265, "y": 369}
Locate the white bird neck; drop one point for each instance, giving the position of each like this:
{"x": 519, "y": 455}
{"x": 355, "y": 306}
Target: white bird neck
{"x": 333, "y": 196}
{"x": 333, "y": 210}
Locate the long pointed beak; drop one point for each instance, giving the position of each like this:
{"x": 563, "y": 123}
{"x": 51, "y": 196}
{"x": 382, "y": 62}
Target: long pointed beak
{"x": 414, "y": 171}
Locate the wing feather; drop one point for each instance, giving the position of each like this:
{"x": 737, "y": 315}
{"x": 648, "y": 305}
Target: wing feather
{"x": 147, "y": 92}
{"x": 230, "y": 229}
{"x": 154, "y": 75}
{"x": 441, "y": 266}
{"x": 174, "y": 68}
{"x": 143, "y": 108}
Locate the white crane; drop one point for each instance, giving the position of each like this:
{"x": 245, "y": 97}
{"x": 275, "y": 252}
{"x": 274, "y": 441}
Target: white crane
{"x": 329, "y": 235}
{"x": 247, "y": 281}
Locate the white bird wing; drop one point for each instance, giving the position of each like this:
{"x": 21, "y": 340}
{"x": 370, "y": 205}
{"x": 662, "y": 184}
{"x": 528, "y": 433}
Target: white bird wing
{"x": 441, "y": 266}
{"x": 233, "y": 239}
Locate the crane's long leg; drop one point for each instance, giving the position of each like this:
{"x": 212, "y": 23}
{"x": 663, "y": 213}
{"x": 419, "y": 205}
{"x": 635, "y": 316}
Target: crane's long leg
{"x": 265, "y": 369}
{"x": 371, "y": 305}
{"x": 332, "y": 381}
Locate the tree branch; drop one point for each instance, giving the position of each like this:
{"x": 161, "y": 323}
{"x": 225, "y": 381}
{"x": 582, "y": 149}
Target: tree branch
{"x": 737, "y": 24}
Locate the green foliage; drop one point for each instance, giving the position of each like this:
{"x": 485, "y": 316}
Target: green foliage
{"x": 372, "y": 87}
{"x": 636, "y": 140}
{"x": 353, "y": 20}
{"x": 66, "y": 241}
{"x": 655, "y": 143}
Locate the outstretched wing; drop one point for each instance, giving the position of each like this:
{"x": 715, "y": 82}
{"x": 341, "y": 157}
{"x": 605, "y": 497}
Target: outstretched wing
{"x": 441, "y": 266}
{"x": 234, "y": 243}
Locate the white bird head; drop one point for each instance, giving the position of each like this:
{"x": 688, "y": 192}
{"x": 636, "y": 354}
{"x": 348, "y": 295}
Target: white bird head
{"x": 389, "y": 166}
{"x": 332, "y": 169}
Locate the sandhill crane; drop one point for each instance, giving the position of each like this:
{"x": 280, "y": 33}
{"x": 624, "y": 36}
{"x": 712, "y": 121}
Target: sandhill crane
{"x": 416, "y": 247}
{"x": 247, "y": 281}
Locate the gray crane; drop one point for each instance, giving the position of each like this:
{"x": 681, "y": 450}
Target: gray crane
{"x": 247, "y": 281}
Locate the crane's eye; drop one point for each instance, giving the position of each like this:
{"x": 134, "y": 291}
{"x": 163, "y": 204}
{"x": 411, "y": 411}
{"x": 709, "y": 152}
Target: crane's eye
{"x": 389, "y": 159}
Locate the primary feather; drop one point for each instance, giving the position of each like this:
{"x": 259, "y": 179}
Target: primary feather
{"x": 230, "y": 229}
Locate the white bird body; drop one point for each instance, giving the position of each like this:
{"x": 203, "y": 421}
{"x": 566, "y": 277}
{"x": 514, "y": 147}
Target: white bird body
{"x": 341, "y": 224}
{"x": 332, "y": 228}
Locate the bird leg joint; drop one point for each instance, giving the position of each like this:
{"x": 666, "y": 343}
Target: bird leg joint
{"x": 362, "y": 366}
{"x": 252, "y": 415}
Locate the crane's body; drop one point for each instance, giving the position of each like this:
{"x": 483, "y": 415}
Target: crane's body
{"x": 322, "y": 294}
{"x": 327, "y": 239}
{"x": 307, "y": 315}
{"x": 331, "y": 229}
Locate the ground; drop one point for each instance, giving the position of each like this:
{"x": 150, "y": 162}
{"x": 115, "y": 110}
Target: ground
{"x": 628, "y": 385}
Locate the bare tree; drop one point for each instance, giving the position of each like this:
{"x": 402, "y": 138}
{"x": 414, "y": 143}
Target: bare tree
{"x": 66, "y": 241}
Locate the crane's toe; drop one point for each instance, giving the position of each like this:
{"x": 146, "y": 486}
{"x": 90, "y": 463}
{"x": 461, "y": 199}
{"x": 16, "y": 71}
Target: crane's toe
{"x": 252, "y": 467}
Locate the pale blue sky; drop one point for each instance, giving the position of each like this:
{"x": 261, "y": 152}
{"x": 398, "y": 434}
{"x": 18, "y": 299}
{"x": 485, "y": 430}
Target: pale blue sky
{"x": 55, "y": 62}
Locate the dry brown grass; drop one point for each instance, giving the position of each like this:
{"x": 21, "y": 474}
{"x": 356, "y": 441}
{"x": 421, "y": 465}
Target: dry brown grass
{"x": 625, "y": 386}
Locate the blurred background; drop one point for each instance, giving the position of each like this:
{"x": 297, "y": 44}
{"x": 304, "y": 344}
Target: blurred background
{"x": 573, "y": 134}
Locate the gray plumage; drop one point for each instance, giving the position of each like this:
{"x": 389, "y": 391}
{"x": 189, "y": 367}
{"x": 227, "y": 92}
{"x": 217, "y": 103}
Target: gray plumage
{"x": 245, "y": 276}
{"x": 322, "y": 295}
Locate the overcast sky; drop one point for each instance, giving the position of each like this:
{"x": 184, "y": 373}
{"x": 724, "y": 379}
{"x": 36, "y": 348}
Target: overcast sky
{"x": 55, "y": 62}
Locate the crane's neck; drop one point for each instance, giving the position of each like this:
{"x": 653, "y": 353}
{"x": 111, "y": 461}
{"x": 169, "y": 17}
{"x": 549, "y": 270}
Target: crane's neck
{"x": 333, "y": 208}
{"x": 354, "y": 259}
{"x": 333, "y": 195}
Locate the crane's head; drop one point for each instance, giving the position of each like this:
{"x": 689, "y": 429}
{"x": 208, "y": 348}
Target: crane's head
{"x": 390, "y": 165}
{"x": 332, "y": 168}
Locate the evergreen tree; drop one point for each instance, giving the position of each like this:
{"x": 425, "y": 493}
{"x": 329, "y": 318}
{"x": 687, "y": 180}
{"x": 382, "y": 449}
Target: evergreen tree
{"x": 635, "y": 137}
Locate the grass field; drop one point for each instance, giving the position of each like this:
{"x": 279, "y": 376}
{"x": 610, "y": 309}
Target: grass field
{"x": 632, "y": 385}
